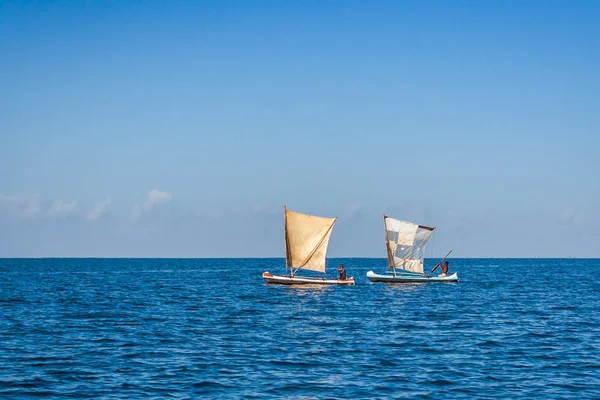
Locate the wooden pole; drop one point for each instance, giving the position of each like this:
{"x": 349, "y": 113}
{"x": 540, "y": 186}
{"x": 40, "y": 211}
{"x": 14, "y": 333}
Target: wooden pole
{"x": 441, "y": 261}
{"x": 390, "y": 256}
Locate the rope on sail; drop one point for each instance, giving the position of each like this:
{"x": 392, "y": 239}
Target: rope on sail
{"x": 312, "y": 253}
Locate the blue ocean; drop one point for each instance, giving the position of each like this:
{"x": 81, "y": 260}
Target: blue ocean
{"x": 211, "y": 328}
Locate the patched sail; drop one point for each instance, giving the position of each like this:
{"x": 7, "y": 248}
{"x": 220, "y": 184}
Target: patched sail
{"x": 405, "y": 243}
{"x": 306, "y": 240}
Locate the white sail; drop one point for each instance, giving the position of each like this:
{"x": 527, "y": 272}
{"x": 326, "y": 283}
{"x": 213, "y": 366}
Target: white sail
{"x": 406, "y": 244}
{"x": 307, "y": 238}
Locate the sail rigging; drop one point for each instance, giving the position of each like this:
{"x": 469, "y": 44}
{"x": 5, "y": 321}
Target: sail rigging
{"x": 405, "y": 242}
{"x": 306, "y": 240}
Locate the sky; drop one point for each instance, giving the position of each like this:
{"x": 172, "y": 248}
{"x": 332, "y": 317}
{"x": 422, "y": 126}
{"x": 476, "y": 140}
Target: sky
{"x": 182, "y": 128}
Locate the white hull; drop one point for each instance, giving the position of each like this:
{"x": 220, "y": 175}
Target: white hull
{"x": 304, "y": 280}
{"x": 402, "y": 277}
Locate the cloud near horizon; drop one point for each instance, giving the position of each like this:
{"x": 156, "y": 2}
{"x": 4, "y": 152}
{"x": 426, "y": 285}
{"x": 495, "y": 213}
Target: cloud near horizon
{"x": 63, "y": 208}
{"x": 34, "y": 206}
{"x": 20, "y": 206}
{"x": 99, "y": 209}
{"x": 571, "y": 216}
{"x": 154, "y": 198}
{"x": 31, "y": 225}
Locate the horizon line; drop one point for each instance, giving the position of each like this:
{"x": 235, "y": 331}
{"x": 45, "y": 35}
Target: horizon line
{"x": 279, "y": 257}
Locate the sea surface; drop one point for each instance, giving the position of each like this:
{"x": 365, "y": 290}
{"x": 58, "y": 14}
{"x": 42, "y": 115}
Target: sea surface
{"x": 211, "y": 328}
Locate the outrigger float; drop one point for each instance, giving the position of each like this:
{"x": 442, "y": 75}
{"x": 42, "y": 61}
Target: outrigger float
{"x": 405, "y": 242}
{"x": 306, "y": 241}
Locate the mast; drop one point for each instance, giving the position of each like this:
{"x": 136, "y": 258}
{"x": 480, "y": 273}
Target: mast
{"x": 288, "y": 256}
{"x": 390, "y": 257}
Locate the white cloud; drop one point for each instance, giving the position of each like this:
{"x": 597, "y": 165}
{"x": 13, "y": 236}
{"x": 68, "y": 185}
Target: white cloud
{"x": 61, "y": 208}
{"x": 154, "y": 198}
{"x": 98, "y": 210}
{"x": 21, "y": 206}
{"x": 33, "y": 206}
{"x": 571, "y": 216}
{"x": 265, "y": 208}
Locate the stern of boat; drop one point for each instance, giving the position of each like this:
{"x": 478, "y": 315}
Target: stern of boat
{"x": 349, "y": 281}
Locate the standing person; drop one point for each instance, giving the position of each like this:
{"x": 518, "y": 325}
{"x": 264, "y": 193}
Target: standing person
{"x": 342, "y": 272}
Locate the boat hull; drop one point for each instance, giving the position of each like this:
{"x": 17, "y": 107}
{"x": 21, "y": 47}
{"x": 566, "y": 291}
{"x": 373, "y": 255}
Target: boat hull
{"x": 304, "y": 280}
{"x": 410, "y": 278}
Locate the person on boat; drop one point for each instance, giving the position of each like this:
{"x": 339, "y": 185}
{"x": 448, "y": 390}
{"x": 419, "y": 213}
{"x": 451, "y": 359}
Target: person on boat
{"x": 444, "y": 268}
{"x": 342, "y": 272}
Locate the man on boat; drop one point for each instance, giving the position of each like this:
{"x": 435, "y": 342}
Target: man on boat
{"x": 444, "y": 268}
{"x": 342, "y": 272}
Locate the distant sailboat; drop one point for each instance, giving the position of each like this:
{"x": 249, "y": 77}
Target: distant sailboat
{"x": 405, "y": 242}
{"x": 306, "y": 241}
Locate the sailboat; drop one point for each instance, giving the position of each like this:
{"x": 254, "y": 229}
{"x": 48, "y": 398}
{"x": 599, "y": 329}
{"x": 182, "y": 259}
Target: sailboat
{"x": 306, "y": 241}
{"x": 405, "y": 242}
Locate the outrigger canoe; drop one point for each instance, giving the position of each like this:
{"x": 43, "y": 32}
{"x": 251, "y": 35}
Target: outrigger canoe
{"x": 405, "y": 277}
{"x": 306, "y": 241}
{"x": 305, "y": 280}
{"x": 405, "y": 244}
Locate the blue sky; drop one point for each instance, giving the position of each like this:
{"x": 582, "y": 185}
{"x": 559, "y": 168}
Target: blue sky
{"x": 182, "y": 128}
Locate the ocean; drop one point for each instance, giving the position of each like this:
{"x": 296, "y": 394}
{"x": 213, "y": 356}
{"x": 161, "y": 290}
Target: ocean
{"x": 211, "y": 328}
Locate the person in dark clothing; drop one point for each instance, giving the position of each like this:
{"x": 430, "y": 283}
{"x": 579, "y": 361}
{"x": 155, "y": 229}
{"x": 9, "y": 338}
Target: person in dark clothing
{"x": 342, "y": 272}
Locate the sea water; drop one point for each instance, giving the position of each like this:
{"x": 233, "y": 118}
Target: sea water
{"x": 211, "y": 328}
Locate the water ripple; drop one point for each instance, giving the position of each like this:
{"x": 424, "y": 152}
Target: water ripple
{"x": 183, "y": 329}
